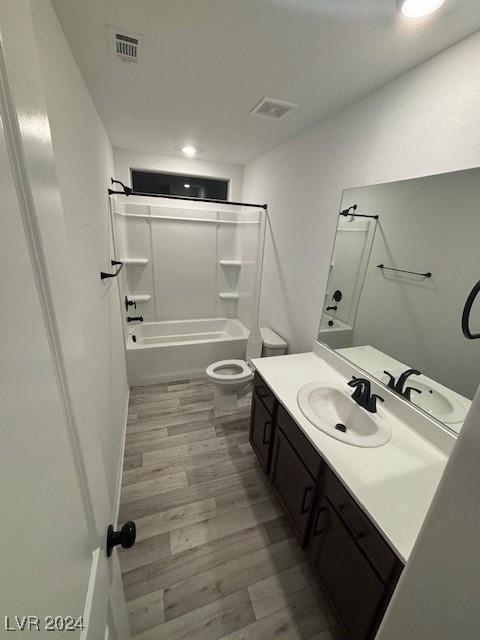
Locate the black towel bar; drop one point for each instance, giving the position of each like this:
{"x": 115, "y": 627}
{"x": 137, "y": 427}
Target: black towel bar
{"x": 415, "y": 273}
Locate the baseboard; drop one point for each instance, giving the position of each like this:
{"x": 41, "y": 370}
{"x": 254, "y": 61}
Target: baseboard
{"x": 118, "y": 487}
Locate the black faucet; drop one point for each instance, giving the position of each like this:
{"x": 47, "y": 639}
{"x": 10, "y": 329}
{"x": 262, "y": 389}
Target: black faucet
{"x": 363, "y": 396}
{"x": 134, "y": 318}
{"x": 399, "y": 385}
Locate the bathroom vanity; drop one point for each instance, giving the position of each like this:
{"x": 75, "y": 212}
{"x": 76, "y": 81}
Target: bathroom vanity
{"x": 356, "y": 510}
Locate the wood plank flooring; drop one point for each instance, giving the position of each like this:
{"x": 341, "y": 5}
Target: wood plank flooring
{"x": 215, "y": 558}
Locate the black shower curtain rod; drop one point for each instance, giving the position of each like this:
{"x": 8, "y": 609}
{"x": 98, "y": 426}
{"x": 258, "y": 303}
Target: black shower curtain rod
{"x": 128, "y": 191}
{"x": 347, "y": 212}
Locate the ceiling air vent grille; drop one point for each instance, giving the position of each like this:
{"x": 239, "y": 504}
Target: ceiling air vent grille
{"x": 124, "y": 44}
{"x": 126, "y": 47}
{"x": 272, "y": 108}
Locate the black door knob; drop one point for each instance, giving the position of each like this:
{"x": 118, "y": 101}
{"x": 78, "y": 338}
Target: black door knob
{"x": 126, "y": 536}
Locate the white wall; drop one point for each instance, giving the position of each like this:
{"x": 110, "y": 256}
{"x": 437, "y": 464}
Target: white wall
{"x": 126, "y": 159}
{"x": 437, "y": 596}
{"x": 87, "y": 310}
{"x": 427, "y": 121}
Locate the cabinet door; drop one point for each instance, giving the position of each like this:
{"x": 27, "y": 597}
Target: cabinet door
{"x": 354, "y": 589}
{"x": 261, "y": 431}
{"x": 294, "y": 485}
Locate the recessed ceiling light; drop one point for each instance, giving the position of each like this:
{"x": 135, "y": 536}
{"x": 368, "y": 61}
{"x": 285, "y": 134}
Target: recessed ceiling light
{"x": 418, "y": 8}
{"x": 186, "y": 186}
{"x": 189, "y": 151}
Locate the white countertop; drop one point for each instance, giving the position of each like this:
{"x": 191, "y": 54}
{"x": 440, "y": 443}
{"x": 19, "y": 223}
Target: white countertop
{"x": 394, "y": 483}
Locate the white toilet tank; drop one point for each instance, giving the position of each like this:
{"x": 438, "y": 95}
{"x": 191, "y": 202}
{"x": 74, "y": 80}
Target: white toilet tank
{"x": 272, "y": 343}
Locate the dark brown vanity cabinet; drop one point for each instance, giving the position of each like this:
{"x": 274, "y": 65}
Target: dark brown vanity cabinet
{"x": 354, "y": 564}
{"x": 294, "y": 485}
{"x": 294, "y": 471}
{"x": 262, "y": 421}
{"x": 356, "y": 567}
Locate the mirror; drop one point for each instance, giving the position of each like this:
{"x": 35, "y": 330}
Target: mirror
{"x": 398, "y": 286}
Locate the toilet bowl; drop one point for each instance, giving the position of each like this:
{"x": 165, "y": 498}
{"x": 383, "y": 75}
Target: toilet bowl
{"x": 233, "y": 378}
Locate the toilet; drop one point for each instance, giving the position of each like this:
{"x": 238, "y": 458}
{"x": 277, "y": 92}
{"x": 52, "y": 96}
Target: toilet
{"x": 233, "y": 378}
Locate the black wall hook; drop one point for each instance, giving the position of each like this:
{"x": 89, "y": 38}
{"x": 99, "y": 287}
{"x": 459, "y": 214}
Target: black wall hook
{"x": 114, "y": 263}
{"x": 126, "y": 190}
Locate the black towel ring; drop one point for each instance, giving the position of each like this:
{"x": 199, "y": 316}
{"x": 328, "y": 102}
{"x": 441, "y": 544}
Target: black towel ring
{"x": 466, "y": 313}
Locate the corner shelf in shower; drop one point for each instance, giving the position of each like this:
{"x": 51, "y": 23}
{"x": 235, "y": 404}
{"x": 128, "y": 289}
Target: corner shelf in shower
{"x": 139, "y": 297}
{"x": 230, "y": 263}
{"x": 133, "y": 261}
{"x": 228, "y": 296}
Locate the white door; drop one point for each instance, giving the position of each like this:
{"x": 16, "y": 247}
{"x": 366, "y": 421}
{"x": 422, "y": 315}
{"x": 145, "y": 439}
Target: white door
{"x": 55, "y": 510}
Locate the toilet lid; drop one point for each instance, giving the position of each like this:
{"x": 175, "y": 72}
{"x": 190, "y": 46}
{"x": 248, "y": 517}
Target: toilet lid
{"x": 225, "y": 370}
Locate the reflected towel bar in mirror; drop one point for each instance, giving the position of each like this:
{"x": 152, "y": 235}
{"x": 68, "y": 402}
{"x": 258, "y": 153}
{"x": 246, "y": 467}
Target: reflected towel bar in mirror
{"x": 351, "y": 212}
{"x": 415, "y": 273}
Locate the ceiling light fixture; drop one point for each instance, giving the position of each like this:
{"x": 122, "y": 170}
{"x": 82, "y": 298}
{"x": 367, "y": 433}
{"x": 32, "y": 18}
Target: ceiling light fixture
{"x": 189, "y": 151}
{"x": 186, "y": 186}
{"x": 418, "y": 8}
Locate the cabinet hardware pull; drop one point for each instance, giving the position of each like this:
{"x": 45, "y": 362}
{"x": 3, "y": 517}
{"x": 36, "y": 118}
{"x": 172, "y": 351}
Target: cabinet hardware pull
{"x": 264, "y": 438}
{"x": 303, "y": 508}
{"x": 316, "y": 531}
{"x": 355, "y": 532}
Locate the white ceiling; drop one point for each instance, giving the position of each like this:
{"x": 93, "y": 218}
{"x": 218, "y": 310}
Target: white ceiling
{"x": 205, "y": 63}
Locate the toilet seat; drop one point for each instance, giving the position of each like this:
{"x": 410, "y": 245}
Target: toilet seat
{"x": 241, "y": 371}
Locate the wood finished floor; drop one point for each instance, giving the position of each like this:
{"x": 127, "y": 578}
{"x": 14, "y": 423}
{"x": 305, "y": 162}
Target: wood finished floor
{"x": 215, "y": 559}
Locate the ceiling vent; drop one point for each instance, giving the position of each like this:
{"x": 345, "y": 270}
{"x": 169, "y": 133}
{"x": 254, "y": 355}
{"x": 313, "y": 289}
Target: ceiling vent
{"x": 124, "y": 44}
{"x": 272, "y": 108}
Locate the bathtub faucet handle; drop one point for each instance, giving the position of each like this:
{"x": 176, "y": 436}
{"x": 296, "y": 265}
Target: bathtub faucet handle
{"x": 129, "y": 303}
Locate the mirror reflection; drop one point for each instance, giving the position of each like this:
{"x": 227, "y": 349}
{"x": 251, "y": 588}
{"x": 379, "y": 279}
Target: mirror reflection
{"x": 404, "y": 264}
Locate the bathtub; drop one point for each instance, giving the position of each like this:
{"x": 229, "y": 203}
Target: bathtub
{"x": 338, "y": 335}
{"x": 172, "y": 350}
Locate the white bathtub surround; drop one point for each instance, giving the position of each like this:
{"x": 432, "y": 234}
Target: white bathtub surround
{"x": 181, "y": 349}
{"x": 351, "y": 253}
{"x": 188, "y": 264}
{"x": 195, "y": 262}
{"x": 338, "y": 334}
{"x": 394, "y": 483}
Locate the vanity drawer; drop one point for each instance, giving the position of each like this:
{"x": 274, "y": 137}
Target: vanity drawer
{"x": 306, "y": 452}
{"x": 376, "y": 549}
{"x": 263, "y": 392}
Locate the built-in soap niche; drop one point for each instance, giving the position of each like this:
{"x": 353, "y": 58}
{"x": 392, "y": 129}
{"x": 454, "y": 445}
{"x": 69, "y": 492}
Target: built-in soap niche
{"x": 228, "y": 283}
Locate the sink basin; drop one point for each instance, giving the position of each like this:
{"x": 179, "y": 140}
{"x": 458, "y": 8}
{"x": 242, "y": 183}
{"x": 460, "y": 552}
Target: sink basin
{"x": 327, "y": 406}
{"x": 433, "y": 399}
